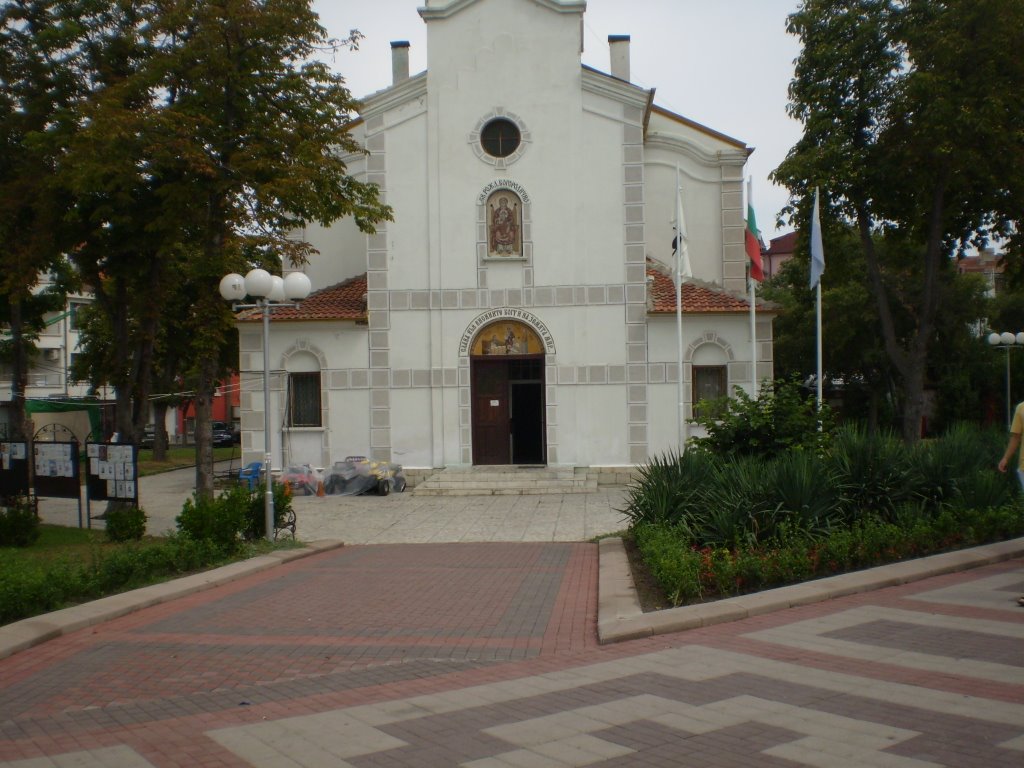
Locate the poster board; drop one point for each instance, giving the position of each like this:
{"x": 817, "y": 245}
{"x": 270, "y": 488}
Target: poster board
{"x": 14, "y": 478}
{"x": 56, "y": 470}
{"x": 112, "y": 472}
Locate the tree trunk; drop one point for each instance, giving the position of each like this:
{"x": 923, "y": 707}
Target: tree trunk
{"x": 159, "y": 431}
{"x": 204, "y": 435}
{"x": 21, "y": 428}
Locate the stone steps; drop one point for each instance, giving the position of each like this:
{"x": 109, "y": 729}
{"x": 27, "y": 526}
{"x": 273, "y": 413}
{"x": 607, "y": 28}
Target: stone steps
{"x": 504, "y": 481}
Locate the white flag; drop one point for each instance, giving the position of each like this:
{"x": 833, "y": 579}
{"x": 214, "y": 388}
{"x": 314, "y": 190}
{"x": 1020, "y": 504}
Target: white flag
{"x": 817, "y": 250}
{"x": 683, "y": 268}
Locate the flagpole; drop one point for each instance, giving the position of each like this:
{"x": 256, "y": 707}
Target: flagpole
{"x": 753, "y": 337}
{"x": 818, "y": 302}
{"x": 817, "y": 268}
{"x": 752, "y": 245}
{"x": 679, "y": 313}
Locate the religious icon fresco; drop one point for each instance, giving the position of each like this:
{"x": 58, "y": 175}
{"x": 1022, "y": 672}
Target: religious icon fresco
{"x": 504, "y": 224}
{"x": 507, "y": 337}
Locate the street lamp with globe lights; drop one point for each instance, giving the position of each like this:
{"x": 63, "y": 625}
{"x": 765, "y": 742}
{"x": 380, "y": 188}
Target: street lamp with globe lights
{"x": 267, "y": 292}
{"x": 1007, "y": 340}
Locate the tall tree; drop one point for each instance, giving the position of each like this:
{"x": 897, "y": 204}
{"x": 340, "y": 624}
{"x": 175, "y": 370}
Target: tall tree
{"x": 912, "y": 128}
{"x": 262, "y": 132}
{"x": 211, "y": 140}
{"x": 38, "y": 89}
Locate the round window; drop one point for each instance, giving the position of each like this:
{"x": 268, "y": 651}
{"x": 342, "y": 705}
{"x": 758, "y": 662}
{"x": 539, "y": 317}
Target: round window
{"x": 500, "y": 137}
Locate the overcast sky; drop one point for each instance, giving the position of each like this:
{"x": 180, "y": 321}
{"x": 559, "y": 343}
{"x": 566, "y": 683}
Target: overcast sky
{"x": 726, "y": 64}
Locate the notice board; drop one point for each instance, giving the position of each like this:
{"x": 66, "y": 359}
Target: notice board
{"x": 56, "y": 470}
{"x": 14, "y": 480}
{"x": 112, "y": 472}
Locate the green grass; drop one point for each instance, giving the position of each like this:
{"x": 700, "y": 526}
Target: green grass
{"x": 57, "y": 542}
{"x": 66, "y": 566}
{"x": 180, "y": 457}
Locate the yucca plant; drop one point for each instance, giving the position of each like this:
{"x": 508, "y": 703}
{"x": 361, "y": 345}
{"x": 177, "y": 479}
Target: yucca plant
{"x": 985, "y": 489}
{"x": 808, "y": 498}
{"x": 669, "y": 489}
{"x": 873, "y": 471}
{"x": 740, "y": 505}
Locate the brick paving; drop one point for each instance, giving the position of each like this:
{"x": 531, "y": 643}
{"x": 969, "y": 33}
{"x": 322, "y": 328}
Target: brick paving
{"x": 485, "y": 655}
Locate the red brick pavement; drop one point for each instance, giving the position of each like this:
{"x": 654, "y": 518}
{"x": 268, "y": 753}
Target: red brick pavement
{"x": 372, "y": 624}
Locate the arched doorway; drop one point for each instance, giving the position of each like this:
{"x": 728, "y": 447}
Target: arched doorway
{"x": 507, "y": 380}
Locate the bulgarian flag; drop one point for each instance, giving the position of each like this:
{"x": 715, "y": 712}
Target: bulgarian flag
{"x": 751, "y": 241}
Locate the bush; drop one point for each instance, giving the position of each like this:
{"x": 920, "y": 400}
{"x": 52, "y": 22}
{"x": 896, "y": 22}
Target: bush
{"x": 19, "y": 523}
{"x": 125, "y": 523}
{"x": 689, "y": 574}
{"x": 873, "y": 470}
{"x": 669, "y": 489}
{"x": 219, "y": 520}
{"x": 781, "y": 418}
{"x": 28, "y": 590}
{"x": 255, "y": 526}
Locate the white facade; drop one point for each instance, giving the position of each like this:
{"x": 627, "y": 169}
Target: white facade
{"x": 593, "y": 185}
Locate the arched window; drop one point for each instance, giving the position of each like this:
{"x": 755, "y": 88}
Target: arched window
{"x": 304, "y": 402}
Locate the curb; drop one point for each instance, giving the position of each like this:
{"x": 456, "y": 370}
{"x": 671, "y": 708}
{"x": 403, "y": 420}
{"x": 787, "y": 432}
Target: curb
{"x": 619, "y": 616}
{"x": 24, "y": 634}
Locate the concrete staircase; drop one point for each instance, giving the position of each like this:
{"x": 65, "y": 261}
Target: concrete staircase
{"x": 504, "y": 481}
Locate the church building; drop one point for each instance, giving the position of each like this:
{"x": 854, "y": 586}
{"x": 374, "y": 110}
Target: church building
{"x": 521, "y": 307}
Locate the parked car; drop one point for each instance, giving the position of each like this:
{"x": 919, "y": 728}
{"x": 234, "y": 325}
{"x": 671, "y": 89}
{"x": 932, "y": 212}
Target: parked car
{"x": 223, "y": 435}
{"x": 300, "y": 479}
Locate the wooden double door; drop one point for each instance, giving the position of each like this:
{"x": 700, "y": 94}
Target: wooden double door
{"x": 508, "y": 410}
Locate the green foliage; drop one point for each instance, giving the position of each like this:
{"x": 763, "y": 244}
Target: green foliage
{"x": 19, "y": 523}
{"x": 782, "y": 417}
{"x": 236, "y": 514}
{"x": 687, "y": 573}
{"x": 669, "y": 488}
{"x": 873, "y": 470}
{"x": 28, "y": 589}
{"x": 219, "y": 520}
{"x": 756, "y": 501}
{"x": 255, "y": 525}
{"x": 125, "y": 523}
{"x": 909, "y": 116}
{"x": 672, "y": 562}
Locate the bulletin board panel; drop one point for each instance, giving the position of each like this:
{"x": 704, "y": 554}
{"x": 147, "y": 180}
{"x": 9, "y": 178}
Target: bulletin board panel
{"x": 14, "y": 477}
{"x": 112, "y": 472}
{"x": 56, "y": 470}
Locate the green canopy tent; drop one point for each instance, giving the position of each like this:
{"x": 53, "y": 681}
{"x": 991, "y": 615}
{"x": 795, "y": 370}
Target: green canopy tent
{"x": 83, "y": 420}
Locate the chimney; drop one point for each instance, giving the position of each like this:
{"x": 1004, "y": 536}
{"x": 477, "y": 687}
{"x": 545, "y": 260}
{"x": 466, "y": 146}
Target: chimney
{"x": 619, "y": 48}
{"x": 399, "y": 61}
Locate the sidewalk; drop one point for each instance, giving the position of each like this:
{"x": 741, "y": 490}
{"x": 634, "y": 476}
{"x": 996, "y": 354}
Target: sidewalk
{"x": 487, "y": 655}
{"x": 396, "y": 518}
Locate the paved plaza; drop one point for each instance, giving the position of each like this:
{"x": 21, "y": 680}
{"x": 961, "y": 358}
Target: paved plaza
{"x": 485, "y": 654}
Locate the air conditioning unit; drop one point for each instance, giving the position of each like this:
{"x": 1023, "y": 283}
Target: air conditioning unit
{"x": 51, "y": 354}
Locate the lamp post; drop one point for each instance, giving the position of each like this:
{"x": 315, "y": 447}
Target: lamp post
{"x": 1007, "y": 340}
{"x": 268, "y": 292}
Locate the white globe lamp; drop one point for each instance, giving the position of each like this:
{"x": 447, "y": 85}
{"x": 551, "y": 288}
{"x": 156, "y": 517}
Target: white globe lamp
{"x": 258, "y": 283}
{"x": 232, "y": 287}
{"x": 296, "y": 286}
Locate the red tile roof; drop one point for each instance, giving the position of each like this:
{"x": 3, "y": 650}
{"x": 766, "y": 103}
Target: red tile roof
{"x": 698, "y": 297}
{"x": 343, "y": 301}
{"x": 347, "y": 300}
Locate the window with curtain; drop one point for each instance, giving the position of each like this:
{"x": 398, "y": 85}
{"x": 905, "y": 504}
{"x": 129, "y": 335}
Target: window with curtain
{"x": 304, "y": 399}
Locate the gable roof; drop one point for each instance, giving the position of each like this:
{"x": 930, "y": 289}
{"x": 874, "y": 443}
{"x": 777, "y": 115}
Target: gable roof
{"x": 343, "y": 301}
{"x": 347, "y": 301}
{"x": 438, "y": 11}
{"x": 698, "y": 297}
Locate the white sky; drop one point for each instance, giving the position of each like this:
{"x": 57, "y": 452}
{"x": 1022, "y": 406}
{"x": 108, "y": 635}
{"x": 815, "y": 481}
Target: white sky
{"x": 724, "y": 63}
